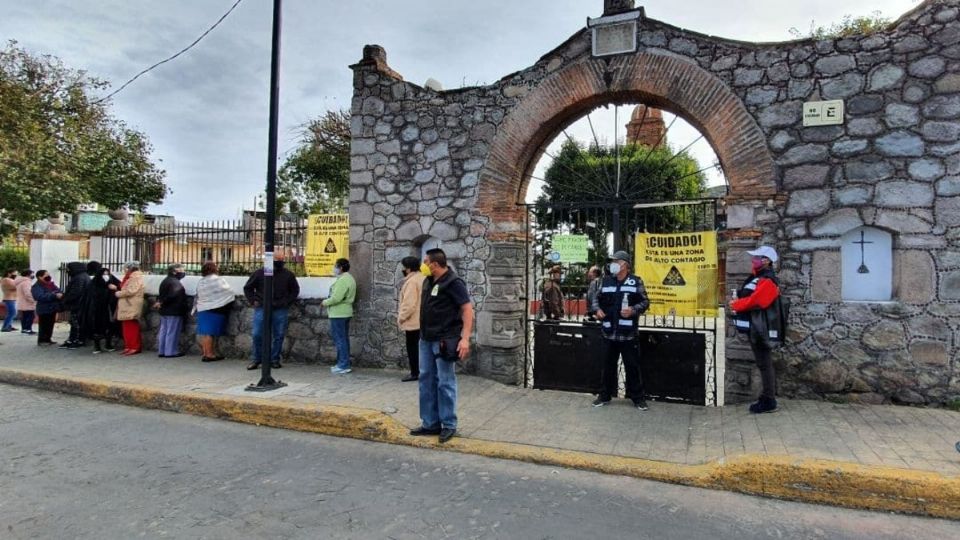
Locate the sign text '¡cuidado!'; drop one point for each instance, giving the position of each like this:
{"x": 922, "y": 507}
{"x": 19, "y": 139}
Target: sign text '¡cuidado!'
{"x": 689, "y": 240}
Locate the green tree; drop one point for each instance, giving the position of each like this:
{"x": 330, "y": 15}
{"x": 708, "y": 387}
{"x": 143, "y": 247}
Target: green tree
{"x": 581, "y": 190}
{"x": 316, "y": 176}
{"x": 59, "y": 148}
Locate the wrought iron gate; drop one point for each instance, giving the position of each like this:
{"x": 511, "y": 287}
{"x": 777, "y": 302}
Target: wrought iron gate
{"x": 678, "y": 354}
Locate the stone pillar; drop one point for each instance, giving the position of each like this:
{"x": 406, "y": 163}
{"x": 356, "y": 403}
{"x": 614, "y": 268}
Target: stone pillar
{"x": 612, "y": 7}
{"x": 118, "y": 219}
{"x": 500, "y": 322}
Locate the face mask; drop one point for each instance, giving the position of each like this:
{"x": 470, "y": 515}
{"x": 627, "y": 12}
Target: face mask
{"x": 180, "y": 275}
{"x": 47, "y": 278}
{"x": 106, "y": 277}
{"x": 278, "y": 264}
{"x": 336, "y": 270}
{"x": 425, "y": 269}
{"x": 756, "y": 263}
{"x": 614, "y": 268}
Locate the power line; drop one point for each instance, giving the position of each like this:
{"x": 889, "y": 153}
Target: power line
{"x": 185, "y": 49}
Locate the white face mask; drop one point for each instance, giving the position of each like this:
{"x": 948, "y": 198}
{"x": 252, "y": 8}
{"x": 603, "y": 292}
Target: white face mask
{"x": 336, "y": 270}
{"x": 614, "y": 268}
{"x": 106, "y": 277}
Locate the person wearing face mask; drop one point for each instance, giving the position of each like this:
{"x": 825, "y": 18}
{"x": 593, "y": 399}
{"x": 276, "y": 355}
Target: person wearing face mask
{"x": 408, "y": 312}
{"x": 9, "y": 299}
{"x": 757, "y": 313}
{"x": 130, "y": 307}
{"x": 339, "y": 306}
{"x": 172, "y": 304}
{"x": 100, "y": 307}
{"x": 552, "y": 295}
{"x": 286, "y": 289}
{"x": 25, "y": 302}
{"x": 593, "y": 290}
{"x": 73, "y": 297}
{"x": 48, "y": 297}
{"x": 622, "y": 299}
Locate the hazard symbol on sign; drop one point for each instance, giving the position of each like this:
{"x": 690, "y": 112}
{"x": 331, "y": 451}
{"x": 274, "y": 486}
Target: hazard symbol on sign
{"x": 331, "y": 247}
{"x": 674, "y": 278}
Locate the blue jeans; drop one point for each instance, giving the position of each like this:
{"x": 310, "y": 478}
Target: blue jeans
{"x": 26, "y": 321}
{"x": 438, "y": 388}
{"x": 11, "y": 313}
{"x": 340, "y": 332}
{"x": 279, "y": 318}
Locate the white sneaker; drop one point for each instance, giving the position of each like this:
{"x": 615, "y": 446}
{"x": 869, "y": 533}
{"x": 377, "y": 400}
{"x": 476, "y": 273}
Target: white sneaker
{"x": 340, "y": 371}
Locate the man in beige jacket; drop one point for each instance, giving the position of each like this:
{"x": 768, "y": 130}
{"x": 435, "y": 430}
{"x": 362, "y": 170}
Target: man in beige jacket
{"x": 408, "y": 313}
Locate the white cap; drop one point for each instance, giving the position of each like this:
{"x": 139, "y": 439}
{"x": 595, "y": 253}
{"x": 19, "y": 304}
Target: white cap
{"x": 765, "y": 251}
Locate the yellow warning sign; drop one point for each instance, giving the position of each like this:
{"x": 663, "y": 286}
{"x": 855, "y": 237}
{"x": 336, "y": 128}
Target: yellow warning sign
{"x": 680, "y": 272}
{"x": 328, "y": 239}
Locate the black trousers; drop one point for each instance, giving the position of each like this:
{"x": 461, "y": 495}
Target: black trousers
{"x": 45, "y": 327}
{"x": 629, "y": 351}
{"x": 413, "y": 351}
{"x": 75, "y": 332}
{"x": 768, "y": 378}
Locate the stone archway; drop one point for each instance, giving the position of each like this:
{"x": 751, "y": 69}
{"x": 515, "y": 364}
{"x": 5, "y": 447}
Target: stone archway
{"x": 663, "y": 81}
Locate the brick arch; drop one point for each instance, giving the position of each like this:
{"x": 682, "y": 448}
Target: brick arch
{"x": 666, "y": 82}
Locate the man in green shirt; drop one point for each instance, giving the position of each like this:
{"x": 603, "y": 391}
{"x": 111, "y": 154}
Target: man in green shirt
{"x": 340, "y": 310}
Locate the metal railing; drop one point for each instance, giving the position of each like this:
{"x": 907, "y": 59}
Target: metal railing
{"x": 235, "y": 245}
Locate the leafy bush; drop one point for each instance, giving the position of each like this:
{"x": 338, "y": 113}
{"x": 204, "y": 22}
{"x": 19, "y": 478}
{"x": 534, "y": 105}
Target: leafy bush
{"x": 15, "y": 258}
{"x": 848, "y": 26}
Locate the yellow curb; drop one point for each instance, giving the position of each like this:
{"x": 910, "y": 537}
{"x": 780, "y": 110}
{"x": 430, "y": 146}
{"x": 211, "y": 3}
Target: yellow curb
{"x": 807, "y": 480}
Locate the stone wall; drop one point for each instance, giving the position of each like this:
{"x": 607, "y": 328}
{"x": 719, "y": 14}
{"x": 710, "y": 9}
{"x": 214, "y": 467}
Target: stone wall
{"x": 454, "y": 165}
{"x": 307, "y": 341}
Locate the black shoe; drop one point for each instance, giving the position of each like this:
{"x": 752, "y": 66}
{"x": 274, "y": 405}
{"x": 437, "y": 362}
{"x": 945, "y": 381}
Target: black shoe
{"x": 409, "y": 378}
{"x": 109, "y": 347}
{"x": 421, "y": 431}
{"x": 210, "y": 359}
{"x": 162, "y": 356}
{"x": 640, "y": 404}
{"x": 278, "y": 365}
{"x": 764, "y": 405}
{"x": 446, "y": 434}
{"x": 67, "y": 345}
{"x": 219, "y": 357}
{"x": 600, "y": 402}
{"x": 252, "y": 366}
{"x": 178, "y": 355}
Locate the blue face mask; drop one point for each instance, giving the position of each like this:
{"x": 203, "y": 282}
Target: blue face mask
{"x": 336, "y": 270}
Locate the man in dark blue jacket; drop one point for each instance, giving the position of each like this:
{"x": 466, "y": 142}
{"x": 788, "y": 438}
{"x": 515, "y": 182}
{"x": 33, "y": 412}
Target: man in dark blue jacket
{"x": 621, "y": 301}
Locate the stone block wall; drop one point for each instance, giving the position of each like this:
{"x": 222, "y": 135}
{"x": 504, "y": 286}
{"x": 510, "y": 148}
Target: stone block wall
{"x": 454, "y": 165}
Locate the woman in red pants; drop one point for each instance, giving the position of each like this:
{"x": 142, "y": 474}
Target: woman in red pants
{"x": 130, "y": 307}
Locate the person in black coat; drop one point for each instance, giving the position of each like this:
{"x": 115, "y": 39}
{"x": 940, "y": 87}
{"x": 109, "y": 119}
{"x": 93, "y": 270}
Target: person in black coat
{"x": 99, "y": 307}
{"x": 172, "y": 303}
{"x": 73, "y": 297}
{"x": 48, "y": 297}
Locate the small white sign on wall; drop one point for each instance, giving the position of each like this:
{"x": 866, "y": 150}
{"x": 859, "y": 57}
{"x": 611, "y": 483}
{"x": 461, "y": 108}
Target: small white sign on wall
{"x": 867, "y": 265}
{"x": 823, "y": 113}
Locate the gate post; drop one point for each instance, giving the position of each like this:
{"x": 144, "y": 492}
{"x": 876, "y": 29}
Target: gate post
{"x": 500, "y": 321}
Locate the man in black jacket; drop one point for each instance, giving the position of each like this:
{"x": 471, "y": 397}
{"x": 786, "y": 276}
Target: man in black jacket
{"x": 172, "y": 303}
{"x": 286, "y": 289}
{"x": 77, "y": 284}
{"x": 621, "y": 301}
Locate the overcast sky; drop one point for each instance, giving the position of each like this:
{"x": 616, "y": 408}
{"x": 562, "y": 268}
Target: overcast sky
{"x": 206, "y": 111}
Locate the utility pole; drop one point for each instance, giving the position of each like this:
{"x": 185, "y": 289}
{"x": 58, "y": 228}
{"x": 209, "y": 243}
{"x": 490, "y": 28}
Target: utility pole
{"x": 267, "y": 382}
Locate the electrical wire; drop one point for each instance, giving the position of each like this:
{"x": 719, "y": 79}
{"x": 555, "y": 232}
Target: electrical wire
{"x": 160, "y": 63}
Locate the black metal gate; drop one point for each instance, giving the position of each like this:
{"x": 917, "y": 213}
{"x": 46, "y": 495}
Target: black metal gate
{"x": 678, "y": 354}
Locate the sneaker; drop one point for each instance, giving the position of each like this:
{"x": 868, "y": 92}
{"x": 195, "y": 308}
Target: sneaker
{"x": 340, "y": 371}
{"x": 764, "y": 405}
{"x": 446, "y": 434}
{"x": 11, "y": 329}
{"x": 600, "y": 402}
{"x": 641, "y": 404}
{"x": 109, "y": 348}
{"x": 28, "y": 332}
{"x": 252, "y": 366}
{"x": 277, "y": 365}
{"x": 97, "y": 351}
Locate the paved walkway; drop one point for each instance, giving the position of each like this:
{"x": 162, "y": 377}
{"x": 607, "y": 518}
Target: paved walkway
{"x": 891, "y": 436}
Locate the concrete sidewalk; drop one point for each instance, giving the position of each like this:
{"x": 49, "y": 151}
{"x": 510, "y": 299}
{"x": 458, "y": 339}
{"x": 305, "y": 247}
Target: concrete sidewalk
{"x": 876, "y": 457}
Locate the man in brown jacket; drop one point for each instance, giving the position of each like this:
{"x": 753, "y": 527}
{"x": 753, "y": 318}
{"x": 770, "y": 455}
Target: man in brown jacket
{"x": 408, "y": 313}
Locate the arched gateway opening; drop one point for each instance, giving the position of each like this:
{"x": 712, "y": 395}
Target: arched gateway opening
{"x": 453, "y": 166}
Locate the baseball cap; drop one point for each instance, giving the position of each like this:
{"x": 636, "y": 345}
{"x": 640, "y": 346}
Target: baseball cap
{"x": 765, "y": 251}
{"x": 620, "y": 256}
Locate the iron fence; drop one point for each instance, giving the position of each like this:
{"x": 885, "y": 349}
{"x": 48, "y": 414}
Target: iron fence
{"x": 235, "y": 245}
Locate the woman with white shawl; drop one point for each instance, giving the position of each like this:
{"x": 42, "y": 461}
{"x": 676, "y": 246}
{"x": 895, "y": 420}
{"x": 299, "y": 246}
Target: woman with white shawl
{"x": 212, "y": 305}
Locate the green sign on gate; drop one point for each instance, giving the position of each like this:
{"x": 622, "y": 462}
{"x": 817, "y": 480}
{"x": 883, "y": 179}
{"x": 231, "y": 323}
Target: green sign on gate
{"x": 571, "y": 248}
